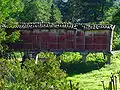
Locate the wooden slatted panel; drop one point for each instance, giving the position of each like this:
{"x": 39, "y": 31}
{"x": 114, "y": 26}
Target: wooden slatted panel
{"x": 97, "y": 40}
{"x": 80, "y": 40}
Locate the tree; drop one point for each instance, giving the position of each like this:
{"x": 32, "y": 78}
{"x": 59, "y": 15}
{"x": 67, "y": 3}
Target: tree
{"x": 8, "y": 7}
{"x": 112, "y": 16}
{"x": 38, "y": 10}
{"x": 55, "y": 15}
{"x": 84, "y": 11}
{"x": 116, "y": 21}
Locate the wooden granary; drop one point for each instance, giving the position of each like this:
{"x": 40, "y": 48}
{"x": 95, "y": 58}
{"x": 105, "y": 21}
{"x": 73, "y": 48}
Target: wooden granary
{"x": 63, "y": 37}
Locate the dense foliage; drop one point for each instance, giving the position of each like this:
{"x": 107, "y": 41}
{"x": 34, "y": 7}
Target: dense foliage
{"x": 38, "y": 10}
{"x": 112, "y": 17}
{"x": 8, "y": 7}
{"x": 84, "y": 11}
{"x": 43, "y": 76}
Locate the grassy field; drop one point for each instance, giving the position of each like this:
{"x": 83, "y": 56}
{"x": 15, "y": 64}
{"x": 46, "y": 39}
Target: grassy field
{"x": 92, "y": 80}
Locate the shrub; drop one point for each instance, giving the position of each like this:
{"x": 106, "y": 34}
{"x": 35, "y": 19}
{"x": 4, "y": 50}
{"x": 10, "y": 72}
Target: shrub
{"x": 43, "y": 76}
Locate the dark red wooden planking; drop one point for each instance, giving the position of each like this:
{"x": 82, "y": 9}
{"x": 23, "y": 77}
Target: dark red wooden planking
{"x": 65, "y": 40}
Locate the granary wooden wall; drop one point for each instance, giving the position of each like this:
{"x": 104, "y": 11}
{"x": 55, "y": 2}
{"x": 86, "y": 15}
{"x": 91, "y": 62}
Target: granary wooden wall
{"x": 64, "y": 37}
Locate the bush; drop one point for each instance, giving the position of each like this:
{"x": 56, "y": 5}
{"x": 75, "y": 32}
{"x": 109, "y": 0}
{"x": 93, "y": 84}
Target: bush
{"x": 43, "y": 76}
{"x": 70, "y": 57}
{"x": 74, "y": 65}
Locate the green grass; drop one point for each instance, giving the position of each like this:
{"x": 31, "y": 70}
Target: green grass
{"x": 92, "y": 80}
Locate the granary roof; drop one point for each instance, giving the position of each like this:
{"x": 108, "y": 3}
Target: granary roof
{"x": 82, "y": 26}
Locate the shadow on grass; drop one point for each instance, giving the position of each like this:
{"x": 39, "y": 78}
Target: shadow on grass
{"x": 78, "y": 67}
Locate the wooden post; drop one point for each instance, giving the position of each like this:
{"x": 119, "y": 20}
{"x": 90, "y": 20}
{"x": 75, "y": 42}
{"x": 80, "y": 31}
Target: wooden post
{"x": 71, "y": 85}
{"x": 103, "y": 85}
{"x": 111, "y": 35}
{"x": 115, "y": 82}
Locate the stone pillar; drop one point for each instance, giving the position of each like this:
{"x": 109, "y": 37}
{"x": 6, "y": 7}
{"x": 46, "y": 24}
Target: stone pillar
{"x": 36, "y": 59}
{"x": 104, "y": 55}
{"x": 58, "y": 55}
{"x": 34, "y": 55}
{"x": 109, "y": 54}
{"x": 29, "y": 55}
{"x": 25, "y": 56}
{"x": 84, "y": 55}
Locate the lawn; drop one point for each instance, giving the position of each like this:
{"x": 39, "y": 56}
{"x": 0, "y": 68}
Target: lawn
{"x": 92, "y": 79}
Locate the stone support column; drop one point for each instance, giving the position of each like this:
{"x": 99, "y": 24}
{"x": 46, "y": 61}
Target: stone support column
{"x": 84, "y": 55}
{"x": 109, "y": 57}
{"x": 58, "y": 55}
{"x": 30, "y": 55}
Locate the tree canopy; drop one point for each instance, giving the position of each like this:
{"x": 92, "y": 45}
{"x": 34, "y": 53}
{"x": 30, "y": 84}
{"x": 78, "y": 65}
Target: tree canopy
{"x": 8, "y": 7}
{"x": 38, "y": 10}
{"x": 84, "y": 10}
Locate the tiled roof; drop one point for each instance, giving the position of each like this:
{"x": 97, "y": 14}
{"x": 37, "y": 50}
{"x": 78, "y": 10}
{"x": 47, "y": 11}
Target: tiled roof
{"x": 83, "y": 26}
